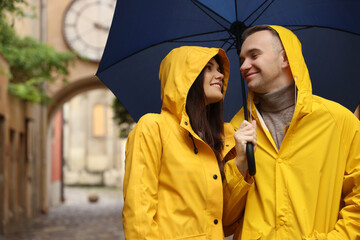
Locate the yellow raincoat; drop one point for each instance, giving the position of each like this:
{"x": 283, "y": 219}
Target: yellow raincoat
{"x": 310, "y": 187}
{"x": 172, "y": 191}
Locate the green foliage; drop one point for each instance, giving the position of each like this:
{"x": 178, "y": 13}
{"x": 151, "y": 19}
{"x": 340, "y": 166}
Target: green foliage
{"x": 122, "y": 118}
{"x": 32, "y": 63}
{"x": 29, "y": 90}
{"x": 12, "y": 6}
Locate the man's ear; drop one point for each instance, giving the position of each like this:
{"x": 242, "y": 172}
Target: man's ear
{"x": 285, "y": 61}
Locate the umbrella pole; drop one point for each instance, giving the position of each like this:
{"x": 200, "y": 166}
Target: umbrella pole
{"x": 249, "y": 146}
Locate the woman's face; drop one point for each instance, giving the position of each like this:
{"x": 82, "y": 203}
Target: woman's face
{"x": 213, "y": 82}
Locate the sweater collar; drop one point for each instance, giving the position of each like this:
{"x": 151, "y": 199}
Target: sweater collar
{"x": 277, "y": 100}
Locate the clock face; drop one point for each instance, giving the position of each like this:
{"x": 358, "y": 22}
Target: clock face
{"x": 86, "y": 26}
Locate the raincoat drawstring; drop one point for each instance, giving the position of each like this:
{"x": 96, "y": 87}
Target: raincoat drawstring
{"x": 295, "y": 90}
{"x": 288, "y": 124}
{"x": 195, "y": 148}
{"x": 250, "y": 108}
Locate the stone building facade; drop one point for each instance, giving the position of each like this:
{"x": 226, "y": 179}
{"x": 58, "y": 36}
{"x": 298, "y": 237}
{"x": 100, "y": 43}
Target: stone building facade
{"x": 93, "y": 151}
{"x": 22, "y": 159}
{"x": 74, "y": 140}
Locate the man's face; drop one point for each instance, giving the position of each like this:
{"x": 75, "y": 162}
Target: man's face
{"x": 262, "y": 60}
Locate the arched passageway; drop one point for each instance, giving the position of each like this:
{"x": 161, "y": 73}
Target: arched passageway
{"x": 70, "y": 90}
{"x": 83, "y": 144}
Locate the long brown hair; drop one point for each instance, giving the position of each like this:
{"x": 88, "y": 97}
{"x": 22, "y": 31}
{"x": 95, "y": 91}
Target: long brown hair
{"x": 206, "y": 120}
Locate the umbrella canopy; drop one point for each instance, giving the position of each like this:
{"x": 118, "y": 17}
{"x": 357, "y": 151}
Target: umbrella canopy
{"x": 143, "y": 32}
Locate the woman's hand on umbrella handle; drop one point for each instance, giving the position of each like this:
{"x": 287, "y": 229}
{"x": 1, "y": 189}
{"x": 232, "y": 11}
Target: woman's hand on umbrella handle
{"x": 245, "y": 133}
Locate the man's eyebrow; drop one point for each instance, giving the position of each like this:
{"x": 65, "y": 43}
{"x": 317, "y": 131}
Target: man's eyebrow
{"x": 249, "y": 52}
{"x": 210, "y": 63}
{"x": 253, "y": 50}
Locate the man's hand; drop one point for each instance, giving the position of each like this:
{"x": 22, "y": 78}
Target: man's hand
{"x": 246, "y": 133}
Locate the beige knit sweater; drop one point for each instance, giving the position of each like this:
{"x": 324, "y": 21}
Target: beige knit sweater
{"x": 277, "y": 109}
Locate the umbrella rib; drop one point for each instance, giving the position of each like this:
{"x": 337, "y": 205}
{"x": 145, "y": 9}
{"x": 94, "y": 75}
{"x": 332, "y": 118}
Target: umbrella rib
{"x": 236, "y": 11}
{"x": 313, "y": 26}
{"x": 227, "y": 41}
{"x": 153, "y": 45}
{"x": 261, "y": 12}
{"x": 299, "y": 27}
{"x": 203, "y": 41}
{"x": 230, "y": 46}
{"x": 196, "y": 3}
{"x": 255, "y": 11}
{"x": 197, "y": 34}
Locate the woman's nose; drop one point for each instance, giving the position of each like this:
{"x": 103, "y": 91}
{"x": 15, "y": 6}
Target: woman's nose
{"x": 220, "y": 75}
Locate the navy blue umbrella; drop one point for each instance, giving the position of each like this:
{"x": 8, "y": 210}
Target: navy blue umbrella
{"x": 143, "y": 32}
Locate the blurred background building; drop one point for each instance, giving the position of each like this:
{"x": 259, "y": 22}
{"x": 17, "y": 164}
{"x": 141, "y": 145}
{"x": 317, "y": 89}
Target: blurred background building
{"x": 74, "y": 139}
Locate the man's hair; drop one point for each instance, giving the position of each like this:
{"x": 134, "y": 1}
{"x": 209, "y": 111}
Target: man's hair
{"x": 251, "y": 30}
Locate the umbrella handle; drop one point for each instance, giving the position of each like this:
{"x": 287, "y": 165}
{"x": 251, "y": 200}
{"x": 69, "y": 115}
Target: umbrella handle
{"x": 250, "y": 158}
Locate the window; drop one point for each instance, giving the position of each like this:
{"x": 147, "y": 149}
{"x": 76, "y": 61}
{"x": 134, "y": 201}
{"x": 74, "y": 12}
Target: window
{"x": 98, "y": 121}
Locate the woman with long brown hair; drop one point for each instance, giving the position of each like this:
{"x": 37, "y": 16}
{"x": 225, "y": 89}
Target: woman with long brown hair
{"x": 206, "y": 118}
{"x": 174, "y": 168}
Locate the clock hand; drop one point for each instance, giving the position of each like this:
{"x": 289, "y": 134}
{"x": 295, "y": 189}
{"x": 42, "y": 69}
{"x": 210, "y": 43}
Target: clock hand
{"x": 102, "y": 27}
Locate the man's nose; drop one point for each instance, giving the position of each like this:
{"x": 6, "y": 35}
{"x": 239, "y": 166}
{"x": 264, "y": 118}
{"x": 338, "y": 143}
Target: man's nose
{"x": 244, "y": 66}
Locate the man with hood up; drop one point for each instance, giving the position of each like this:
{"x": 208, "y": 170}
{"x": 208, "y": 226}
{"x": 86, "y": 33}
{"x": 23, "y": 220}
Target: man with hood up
{"x": 307, "y": 182}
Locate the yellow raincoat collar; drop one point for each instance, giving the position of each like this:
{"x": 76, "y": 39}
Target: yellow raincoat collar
{"x": 178, "y": 71}
{"x": 299, "y": 71}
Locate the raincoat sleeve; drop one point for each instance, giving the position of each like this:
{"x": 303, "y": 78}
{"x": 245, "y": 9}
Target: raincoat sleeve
{"x": 347, "y": 226}
{"x": 142, "y": 165}
{"x": 235, "y": 190}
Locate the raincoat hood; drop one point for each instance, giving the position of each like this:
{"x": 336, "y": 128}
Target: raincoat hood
{"x": 298, "y": 66}
{"x": 179, "y": 70}
{"x": 294, "y": 54}
{"x": 299, "y": 70}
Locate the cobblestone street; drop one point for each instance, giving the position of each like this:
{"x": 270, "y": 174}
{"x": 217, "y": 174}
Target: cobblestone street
{"x": 78, "y": 219}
